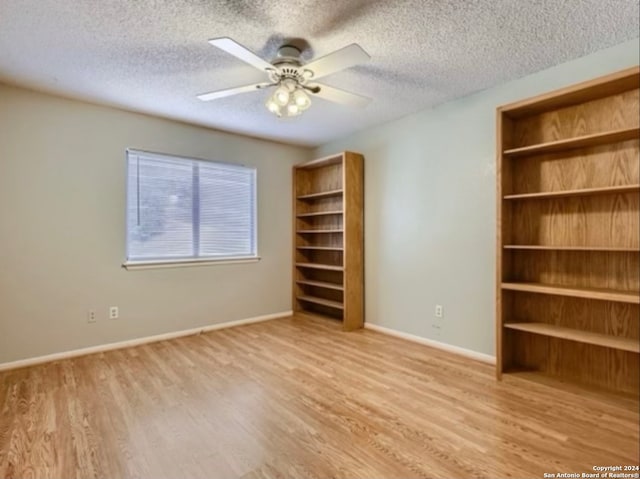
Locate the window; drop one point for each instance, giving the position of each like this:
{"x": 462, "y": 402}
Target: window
{"x": 184, "y": 210}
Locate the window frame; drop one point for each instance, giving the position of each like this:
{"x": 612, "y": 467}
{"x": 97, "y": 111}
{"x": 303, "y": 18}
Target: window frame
{"x": 152, "y": 263}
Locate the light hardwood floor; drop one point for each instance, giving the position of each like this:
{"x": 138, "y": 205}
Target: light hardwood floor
{"x": 297, "y": 398}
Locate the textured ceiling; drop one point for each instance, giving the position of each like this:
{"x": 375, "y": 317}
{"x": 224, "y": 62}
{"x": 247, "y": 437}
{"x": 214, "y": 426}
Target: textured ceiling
{"x": 152, "y": 55}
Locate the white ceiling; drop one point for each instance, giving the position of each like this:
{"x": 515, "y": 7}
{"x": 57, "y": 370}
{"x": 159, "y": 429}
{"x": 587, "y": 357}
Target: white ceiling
{"x": 152, "y": 55}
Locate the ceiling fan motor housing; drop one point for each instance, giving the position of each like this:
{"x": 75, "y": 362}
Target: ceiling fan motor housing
{"x": 289, "y": 66}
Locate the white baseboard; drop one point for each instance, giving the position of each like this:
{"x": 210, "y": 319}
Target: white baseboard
{"x": 137, "y": 341}
{"x": 485, "y": 358}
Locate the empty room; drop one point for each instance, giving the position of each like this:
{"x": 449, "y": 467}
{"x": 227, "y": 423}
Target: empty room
{"x": 297, "y": 239}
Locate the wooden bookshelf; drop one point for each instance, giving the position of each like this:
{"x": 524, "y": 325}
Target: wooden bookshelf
{"x": 328, "y": 238}
{"x": 568, "y": 247}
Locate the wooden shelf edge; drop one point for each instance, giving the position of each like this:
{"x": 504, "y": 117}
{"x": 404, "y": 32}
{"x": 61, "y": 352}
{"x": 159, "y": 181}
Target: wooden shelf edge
{"x": 318, "y": 213}
{"x": 632, "y": 297}
{"x": 328, "y": 267}
{"x": 322, "y": 301}
{"x": 318, "y": 231}
{"x": 322, "y": 248}
{"x": 321, "y": 284}
{"x": 612, "y": 249}
{"x": 320, "y": 162}
{"x": 596, "y": 139}
{"x": 600, "y": 87}
{"x": 587, "y": 337}
{"x": 578, "y": 192}
{"x": 321, "y": 194}
{"x": 622, "y": 399}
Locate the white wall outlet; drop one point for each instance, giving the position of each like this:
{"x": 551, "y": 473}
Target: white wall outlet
{"x": 113, "y": 312}
{"x": 436, "y": 330}
{"x": 91, "y": 316}
{"x": 439, "y": 311}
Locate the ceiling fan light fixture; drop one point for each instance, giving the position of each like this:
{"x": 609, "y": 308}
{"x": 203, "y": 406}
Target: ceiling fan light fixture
{"x": 281, "y": 96}
{"x": 301, "y": 99}
{"x": 273, "y": 106}
{"x": 292, "y": 109}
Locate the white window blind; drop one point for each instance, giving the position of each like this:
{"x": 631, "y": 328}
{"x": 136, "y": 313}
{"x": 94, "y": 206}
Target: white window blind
{"x": 182, "y": 208}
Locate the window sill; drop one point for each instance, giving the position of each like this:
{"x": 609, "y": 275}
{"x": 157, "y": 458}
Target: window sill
{"x": 181, "y": 263}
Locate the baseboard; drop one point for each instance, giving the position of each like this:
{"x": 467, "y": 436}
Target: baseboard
{"x": 485, "y": 358}
{"x": 137, "y": 341}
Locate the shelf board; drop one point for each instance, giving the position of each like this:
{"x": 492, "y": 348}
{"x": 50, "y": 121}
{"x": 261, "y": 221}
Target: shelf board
{"x": 319, "y": 213}
{"x": 322, "y": 301}
{"x": 321, "y": 284}
{"x": 585, "y": 141}
{"x": 602, "y": 87}
{"x": 580, "y": 192}
{"x": 320, "y": 162}
{"x": 573, "y": 385}
{"x": 605, "y": 340}
{"x": 320, "y": 194}
{"x": 328, "y": 267}
{"x": 322, "y": 248}
{"x": 614, "y": 249}
{"x": 632, "y": 297}
{"x": 319, "y": 231}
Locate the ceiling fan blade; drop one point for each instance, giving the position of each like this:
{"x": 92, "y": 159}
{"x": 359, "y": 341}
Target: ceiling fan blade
{"x": 214, "y": 95}
{"x": 339, "y": 60}
{"x": 234, "y": 48}
{"x": 340, "y": 96}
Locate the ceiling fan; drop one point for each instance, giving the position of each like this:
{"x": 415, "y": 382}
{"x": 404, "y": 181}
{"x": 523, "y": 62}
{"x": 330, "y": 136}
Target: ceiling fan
{"x": 293, "y": 79}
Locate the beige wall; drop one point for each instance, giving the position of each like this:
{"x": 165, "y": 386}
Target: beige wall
{"x": 62, "y": 229}
{"x": 430, "y": 207}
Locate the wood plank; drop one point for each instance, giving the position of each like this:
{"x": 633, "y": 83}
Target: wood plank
{"x": 605, "y": 340}
{"x": 319, "y": 213}
{"x": 632, "y": 297}
{"x": 320, "y": 194}
{"x": 612, "y": 249}
{"x": 322, "y": 301}
{"x": 608, "y": 190}
{"x": 319, "y": 231}
{"x": 353, "y": 179}
{"x": 328, "y": 267}
{"x": 320, "y": 162}
{"x": 320, "y": 248}
{"x": 584, "y": 141}
{"x": 321, "y": 284}
{"x": 618, "y": 82}
{"x": 599, "y": 167}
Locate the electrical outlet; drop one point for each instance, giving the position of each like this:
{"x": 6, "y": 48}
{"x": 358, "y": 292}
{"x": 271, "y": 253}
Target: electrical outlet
{"x": 113, "y": 312}
{"x": 439, "y": 311}
{"x": 91, "y": 316}
{"x": 436, "y": 329}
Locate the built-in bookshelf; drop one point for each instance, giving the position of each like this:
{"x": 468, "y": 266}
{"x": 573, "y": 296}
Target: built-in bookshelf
{"x": 328, "y": 238}
{"x": 569, "y": 234}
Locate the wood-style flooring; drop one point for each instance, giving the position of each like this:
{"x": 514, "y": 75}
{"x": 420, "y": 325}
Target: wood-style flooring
{"x": 298, "y": 398}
